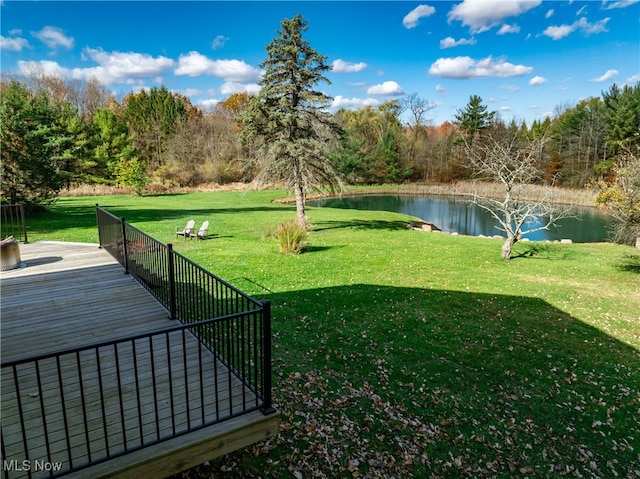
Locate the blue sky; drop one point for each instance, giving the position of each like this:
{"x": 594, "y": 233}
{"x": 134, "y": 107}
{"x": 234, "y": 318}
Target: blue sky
{"x": 524, "y": 58}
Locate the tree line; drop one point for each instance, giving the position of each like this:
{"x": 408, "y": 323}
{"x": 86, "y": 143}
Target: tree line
{"x": 58, "y": 133}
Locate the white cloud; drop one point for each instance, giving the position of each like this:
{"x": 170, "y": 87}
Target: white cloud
{"x": 47, "y": 67}
{"x": 441, "y": 89}
{"x": 54, "y": 37}
{"x": 390, "y": 88}
{"x": 598, "y": 27}
{"x": 561, "y": 31}
{"x": 219, "y": 42}
{"x": 482, "y": 15}
{"x": 504, "y": 29}
{"x": 196, "y": 64}
{"x": 191, "y": 92}
{"x": 549, "y": 14}
{"x": 619, "y": 4}
{"x": 467, "y": 67}
{"x": 558, "y": 32}
{"x": 413, "y": 17}
{"x": 119, "y": 66}
{"x": 581, "y": 11}
{"x": 15, "y": 44}
{"x": 340, "y": 66}
{"x": 451, "y": 42}
{"x": 114, "y": 67}
{"x": 510, "y": 88}
{"x": 633, "y": 79}
{"x": 608, "y": 75}
{"x": 208, "y": 104}
{"x": 229, "y": 88}
{"x": 342, "y": 102}
{"x": 537, "y": 80}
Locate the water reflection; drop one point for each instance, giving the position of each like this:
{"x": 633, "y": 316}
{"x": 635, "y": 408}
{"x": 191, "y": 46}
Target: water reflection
{"x": 456, "y": 214}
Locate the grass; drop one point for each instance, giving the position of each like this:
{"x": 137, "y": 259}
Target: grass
{"x": 400, "y": 353}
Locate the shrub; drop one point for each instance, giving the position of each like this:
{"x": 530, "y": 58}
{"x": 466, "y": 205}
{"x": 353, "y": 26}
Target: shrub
{"x": 291, "y": 237}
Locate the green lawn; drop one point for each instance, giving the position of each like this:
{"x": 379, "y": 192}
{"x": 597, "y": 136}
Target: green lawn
{"x": 400, "y": 353}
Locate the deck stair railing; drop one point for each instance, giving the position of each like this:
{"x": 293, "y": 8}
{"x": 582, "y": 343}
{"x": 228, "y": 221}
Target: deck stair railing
{"x": 212, "y": 364}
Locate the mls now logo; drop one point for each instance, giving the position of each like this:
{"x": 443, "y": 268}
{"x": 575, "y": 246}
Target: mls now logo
{"x": 31, "y": 466}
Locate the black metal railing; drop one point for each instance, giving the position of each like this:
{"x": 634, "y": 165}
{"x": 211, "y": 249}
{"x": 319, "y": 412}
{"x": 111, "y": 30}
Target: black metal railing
{"x": 192, "y": 294}
{"x": 83, "y": 406}
{"x": 75, "y": 408}
{"x": 12, "y": 221}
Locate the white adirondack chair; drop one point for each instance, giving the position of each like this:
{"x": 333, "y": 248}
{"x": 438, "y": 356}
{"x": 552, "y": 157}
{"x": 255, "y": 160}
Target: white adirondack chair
{"x": 203, "y": 232}
{"x": 188, "y": 229}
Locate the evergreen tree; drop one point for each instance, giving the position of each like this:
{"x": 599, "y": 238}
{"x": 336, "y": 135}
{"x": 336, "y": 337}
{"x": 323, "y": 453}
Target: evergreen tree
{"x": 622, "y": 108}
{"x": 289, "y": 118}
{"x": 154, "y": 117}
{"x": 70, "y": 144}
{"x": 474, "y": 118}
{"x": 114, "y": 151}
{"x": 27, "y": 143}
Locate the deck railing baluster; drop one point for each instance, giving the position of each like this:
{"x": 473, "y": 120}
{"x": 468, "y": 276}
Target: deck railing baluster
{"x": 201, "y": 376}
{"x": 43, "y": 411}
{"x": 137, "y": 381}
{"x": 123, "y": 424}
{"x": 102, "y": 406}
{"x": 170, "y": 373}
{"x": 64, "y": 412}
{"x": 85, "y": 420}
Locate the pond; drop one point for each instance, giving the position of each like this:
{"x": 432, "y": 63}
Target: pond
{"x": 454, "y": 214}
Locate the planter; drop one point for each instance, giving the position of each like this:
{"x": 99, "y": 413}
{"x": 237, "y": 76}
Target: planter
{"x": 9, "y": 254}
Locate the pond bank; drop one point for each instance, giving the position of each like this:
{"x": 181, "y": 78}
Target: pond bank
{"x": 457, "y": 214}
{"x": 564, "y": 196}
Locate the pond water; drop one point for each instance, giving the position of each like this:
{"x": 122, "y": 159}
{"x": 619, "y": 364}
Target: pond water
{"x": 454, "y": 214}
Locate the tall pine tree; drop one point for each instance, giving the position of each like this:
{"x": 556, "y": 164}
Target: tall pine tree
{"x": 289, "y": 118}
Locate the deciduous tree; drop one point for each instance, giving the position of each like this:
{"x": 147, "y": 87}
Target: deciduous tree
{"x": 513, "y": 163}
{"x": 622, "y": 196}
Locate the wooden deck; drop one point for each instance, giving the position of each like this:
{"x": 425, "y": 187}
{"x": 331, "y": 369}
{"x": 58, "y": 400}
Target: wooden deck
{"x": 73, "y": 295}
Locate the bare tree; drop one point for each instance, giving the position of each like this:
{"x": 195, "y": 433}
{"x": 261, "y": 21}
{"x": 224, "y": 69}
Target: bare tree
{"x": 513, "y": 163}
{"x": 417, "y": 109}
{"x": 621, "y": 197}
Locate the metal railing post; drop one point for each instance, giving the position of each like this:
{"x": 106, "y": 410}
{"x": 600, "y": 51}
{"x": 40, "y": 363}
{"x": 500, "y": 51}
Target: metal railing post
{"x": 99, "y": 226}
{"x": 267, "y": 405}
{"x": 124, "y": 246}
{"x": 172, "y": 282}
{"x": 24, "y": 223}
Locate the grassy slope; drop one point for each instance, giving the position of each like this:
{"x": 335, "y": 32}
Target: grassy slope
{"x": 405, "y": 353}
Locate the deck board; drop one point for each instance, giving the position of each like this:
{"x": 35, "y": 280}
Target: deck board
{"x": 73, "y": 295}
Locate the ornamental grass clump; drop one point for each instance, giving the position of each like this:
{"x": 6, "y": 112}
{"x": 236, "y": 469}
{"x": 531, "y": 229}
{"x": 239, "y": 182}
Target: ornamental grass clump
{"x": 292, "y": 237}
